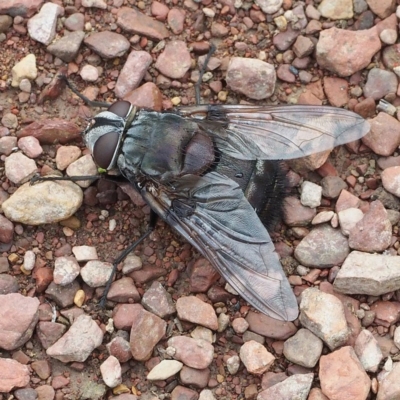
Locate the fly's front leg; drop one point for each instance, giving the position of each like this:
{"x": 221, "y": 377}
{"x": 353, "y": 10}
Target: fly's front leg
{"x": 123, "y": 255}
{"x": 38, "y": 179}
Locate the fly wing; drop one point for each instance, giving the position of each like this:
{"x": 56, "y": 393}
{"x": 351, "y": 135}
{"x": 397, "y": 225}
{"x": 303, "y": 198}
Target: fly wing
{"x": 225, "y": 228}
{"x": 277, "y": 132}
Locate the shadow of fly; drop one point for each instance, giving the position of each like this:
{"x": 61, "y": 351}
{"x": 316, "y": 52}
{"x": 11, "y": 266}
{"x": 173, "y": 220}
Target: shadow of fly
{"x": 213, "y": 173}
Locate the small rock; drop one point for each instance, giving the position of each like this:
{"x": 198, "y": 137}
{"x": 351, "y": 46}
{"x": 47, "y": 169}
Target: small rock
{"x": 51, "y": 131}
{"x": 382, "y": 8}
{"x": 384, "y": 136}
{"x": 176, "y": 19}
{"x": 322, "y": 217}
{"x": 132, "y": 72}
{"x": 233, "y": 364}
{"x": 270, "y": 327}
{"x": 197, "y": 378}
{"x": 380, "y": 83}
{"x": 368, "y": 351}
{"x": 295, "y": 387}
{"x": 85, "y": 253}
{"x": 256, "y": 358}
{"x": 133, "y": 21}
{"x": 336, "y": 90}
{"x": 373, "y": 232}
{"x": 147, "y": 330}
{"x": 336, "y": 9}
{"x": 6, "y": 230}
{"x": 29, "y": 260}
{"x": 30, "y": 146}
{"x": 349, "y": 218}
{"x": 164, "y": 370}
{"x": 94, "y": 3}
{"x": 323, "y": 315}
{"x": 183, "y": 393}
{"x": 12, "y": 375}
{"x": 42, "y": 26}
{"x": 345, "y": 52}
{"x": 43, "y": 203}
{"x": 89, "y": 73}
{"x": 206, "y": 394}
{"x": 131, "y": 263}
{"x": 66, "y": 269}
{"x": 295, "y": 214}
{"x": 389, "y": 387}
{"x": 253, "y": 78}
{"x": 107, "y": 44}
{"x": 66, "y": 155}
{"x": 355, "y": 383}
{"x": 310, "y": 194}
{"x": 370, "y": 274}
{"x": 16, "y": 331}
{"x": 96, "y": 273}
{"x": 195, "y": 353}
{"x": 120, "y": 348}
{"x": 67, "y": 47}
{"x": 19, "y": 168}
{"x": 24, "y": 69}
{"x": 202, "y": 333}
{"x": 323, "y": 247}
{"x": 191, "y": 308}
{"x": 8, "y": 144}
{"x": 175, "y": 60}
{"x": 111, "y": 372}
{"x": 303, "y": 46}
{"x": 240, "y": 325}
{"x": 269, "y": 6}
{"x": 123, "y": 291}
{"x": 158, "y": 301}
{"x": 82, "y": 338}
{"x": 146, "y": 96}
{"x": 202, "y": 276}
{"x": 304, "y": 348}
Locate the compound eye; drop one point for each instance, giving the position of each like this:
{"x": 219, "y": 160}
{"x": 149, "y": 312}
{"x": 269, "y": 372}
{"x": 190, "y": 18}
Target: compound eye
{"x": 104, "y": 149}
{"x": 120, "y": 108}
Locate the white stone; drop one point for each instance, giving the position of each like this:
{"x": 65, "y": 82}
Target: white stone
{"x": 269, "y": 6}
{"x": 111, "y": 372}
{"x": 233, "y": 364}
{"x": 85, "y": 253}
{"x": 42, "y": 26}
{"x": 96, "y": 273}
{"x": 370, "y": 274}
{"x": 164, "y": 370}
{"x": 368, "y": 351}
{"x": 29, "y": 260}
{"x": 397, "y": 337}
{"x": 323, "y": 314}
{"x": 348, "y": 219}
{"x": 311, "y": 194}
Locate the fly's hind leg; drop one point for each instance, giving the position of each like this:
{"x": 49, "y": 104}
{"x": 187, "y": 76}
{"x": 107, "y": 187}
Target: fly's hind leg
{"x": 202, "y": 71}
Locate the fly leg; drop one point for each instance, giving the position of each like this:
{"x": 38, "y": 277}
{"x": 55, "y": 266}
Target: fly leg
{"x": 202, "y": 71}
{"x": 86, "y": 100}
{"x": 38, "y": 179}
{"x": 122, "y": 256}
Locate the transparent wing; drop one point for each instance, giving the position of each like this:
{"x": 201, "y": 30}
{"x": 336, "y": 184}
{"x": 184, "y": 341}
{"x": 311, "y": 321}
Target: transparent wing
{"x": 227, "y": 231}
{"x": 277, "y": 132}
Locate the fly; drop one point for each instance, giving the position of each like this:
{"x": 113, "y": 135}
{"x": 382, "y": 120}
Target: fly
{"x": 193, "y": 163}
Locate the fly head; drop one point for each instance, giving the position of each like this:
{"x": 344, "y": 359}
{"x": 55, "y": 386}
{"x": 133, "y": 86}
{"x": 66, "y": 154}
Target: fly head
{"x": 106, "y": 131}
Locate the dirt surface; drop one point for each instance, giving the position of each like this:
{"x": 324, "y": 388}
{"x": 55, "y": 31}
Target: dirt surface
{"x": 163, "y": 248}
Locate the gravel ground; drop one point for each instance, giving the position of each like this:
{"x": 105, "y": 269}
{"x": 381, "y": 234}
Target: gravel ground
{"x": 171, "y": 327}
